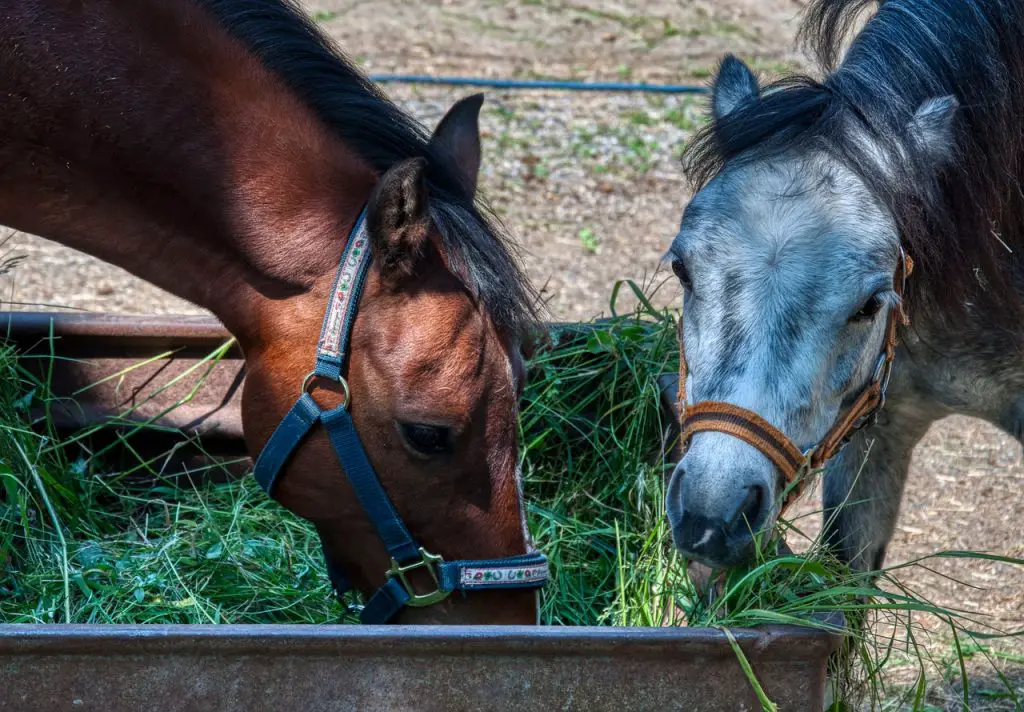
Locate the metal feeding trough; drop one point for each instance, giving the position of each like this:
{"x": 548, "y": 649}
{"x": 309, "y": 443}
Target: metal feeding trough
{"x": 245, "y": 667}
{"x": 249, "y": 668}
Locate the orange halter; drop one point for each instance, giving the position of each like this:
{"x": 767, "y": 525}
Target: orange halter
{"x": 754, "y": 430}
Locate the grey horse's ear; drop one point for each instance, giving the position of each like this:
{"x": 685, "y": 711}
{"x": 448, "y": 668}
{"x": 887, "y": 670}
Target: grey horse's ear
{"x": 734, "y": 85}
{"x": 931, "y": 129}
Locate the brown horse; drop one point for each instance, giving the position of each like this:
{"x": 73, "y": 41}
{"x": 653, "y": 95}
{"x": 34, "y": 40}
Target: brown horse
{"x": 223, "y": 150}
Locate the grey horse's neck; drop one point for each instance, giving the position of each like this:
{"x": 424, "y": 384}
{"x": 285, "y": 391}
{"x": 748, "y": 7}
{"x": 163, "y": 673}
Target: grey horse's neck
{"x": 976, "y": 371}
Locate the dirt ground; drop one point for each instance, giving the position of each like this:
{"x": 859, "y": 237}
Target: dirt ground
{"x": 591, "y": 185}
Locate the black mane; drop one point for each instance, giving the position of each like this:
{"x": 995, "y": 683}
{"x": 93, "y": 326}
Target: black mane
{"x": 962, "y": 220}
{"x": 289, "y": 44}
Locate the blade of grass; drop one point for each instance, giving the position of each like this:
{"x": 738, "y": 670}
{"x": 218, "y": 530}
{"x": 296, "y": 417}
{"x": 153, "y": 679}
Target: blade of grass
{"x": 766, "y": 704}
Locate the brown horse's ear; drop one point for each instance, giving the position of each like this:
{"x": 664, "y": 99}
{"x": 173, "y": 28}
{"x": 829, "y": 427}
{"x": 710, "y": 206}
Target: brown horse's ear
{"x": 398, "y": 218}
{"x": 458, "y": 135}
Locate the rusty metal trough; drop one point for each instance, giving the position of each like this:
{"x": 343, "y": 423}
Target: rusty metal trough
{"x": 250, "y": 668}
{"x": 120, "y": 668}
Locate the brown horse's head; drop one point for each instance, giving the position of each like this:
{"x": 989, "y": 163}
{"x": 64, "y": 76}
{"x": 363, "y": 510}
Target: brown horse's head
{"x": 435, "y": 374}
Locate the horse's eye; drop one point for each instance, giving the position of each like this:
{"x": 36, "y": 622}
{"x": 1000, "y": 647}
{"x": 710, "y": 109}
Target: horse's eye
{"x": 427, "y": 440}
{"x": 868, "y": 311}
{"x": 680, "y": 271}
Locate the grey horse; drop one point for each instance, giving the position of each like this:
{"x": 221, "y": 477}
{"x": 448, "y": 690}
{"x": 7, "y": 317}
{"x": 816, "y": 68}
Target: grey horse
{"x": 808, "y": 191}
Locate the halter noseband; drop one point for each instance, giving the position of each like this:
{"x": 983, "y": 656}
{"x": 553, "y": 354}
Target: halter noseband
{"x": 748, "y": 426}
{"x": 524, "y": 571}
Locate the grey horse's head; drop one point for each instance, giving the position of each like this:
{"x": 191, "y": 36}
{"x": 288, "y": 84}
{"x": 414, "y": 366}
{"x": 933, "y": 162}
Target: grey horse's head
{"x": 787, "y": 260}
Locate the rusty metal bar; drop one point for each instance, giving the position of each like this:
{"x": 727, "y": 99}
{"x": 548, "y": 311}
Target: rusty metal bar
{"x": 121, "y": 668}
{"x": 103, "y": 366}
{"x": 90, "y": 349}
{"x": 108, "y": 330}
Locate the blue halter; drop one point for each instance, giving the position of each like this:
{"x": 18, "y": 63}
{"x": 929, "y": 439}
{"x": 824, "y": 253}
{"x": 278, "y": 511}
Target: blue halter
{"x": 525, "y": 571}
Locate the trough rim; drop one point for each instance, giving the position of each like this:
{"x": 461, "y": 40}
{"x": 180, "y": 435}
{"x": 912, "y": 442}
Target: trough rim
{"x": 780, "y": 642}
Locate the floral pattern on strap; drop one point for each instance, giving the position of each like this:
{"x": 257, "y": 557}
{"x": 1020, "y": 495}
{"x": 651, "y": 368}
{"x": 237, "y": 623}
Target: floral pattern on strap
{"x": 341, "y": 300}
{"x": 503, "y": 575}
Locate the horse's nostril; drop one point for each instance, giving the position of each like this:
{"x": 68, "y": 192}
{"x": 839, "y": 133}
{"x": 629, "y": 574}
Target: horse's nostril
{"x": 748, "y": 514}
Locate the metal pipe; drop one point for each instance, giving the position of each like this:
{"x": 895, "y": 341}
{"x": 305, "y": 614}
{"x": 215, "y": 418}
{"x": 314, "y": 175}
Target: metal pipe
{"x": 536, "y": 84}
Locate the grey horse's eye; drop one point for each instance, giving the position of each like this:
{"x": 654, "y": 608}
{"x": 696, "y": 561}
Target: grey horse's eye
{"x": 426, "y": 440}
{"x": 680, "y": 271}
{"x": 869, "y": 309}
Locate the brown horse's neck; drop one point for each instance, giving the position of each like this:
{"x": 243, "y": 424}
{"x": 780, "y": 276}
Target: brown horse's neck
{"x": 141, "y": 133}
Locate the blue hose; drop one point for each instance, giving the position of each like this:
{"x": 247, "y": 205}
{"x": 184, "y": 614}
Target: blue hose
{"x": 539, "y": 84}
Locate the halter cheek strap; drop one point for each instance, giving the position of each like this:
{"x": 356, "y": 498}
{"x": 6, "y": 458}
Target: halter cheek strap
{"x": 751, "y": 428}
{"x": 524, "y": 571}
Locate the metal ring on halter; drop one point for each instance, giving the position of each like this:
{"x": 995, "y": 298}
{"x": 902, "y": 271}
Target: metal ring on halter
{"x": 313, "y": 375}
{"x": 879, "y": 367}
{"x": 886, "y": 377}
{"x": 805, "y": 466}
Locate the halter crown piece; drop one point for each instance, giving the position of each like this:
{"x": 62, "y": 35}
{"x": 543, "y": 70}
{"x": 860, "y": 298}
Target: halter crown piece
{"x": 748, "y": 426}
{"x": 524, "y": 571}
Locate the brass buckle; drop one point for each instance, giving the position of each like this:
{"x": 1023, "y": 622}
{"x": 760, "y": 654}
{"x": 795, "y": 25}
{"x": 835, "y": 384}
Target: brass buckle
{"x": 795, "y": 486}
{"x": 883, "y": 373}
{"x": 429, "y": 562}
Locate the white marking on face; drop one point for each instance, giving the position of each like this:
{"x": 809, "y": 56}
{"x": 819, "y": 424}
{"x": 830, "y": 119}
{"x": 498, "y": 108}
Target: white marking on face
{"x": 527, "y": 541}
{"x": 519, "y": 465}
{"x": 708, "y": 533}
{"x": 522, "y": 507}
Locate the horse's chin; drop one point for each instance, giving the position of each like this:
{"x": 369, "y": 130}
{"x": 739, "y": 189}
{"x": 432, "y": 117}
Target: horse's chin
{"x": 709, "y": 581}
{"x": 510, "y": 607}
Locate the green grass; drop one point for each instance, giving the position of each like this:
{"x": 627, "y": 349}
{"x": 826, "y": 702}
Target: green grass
{"x": 83, "y": 541}
{"x": 592, "y": 440}
{"x": 589, "y": 240}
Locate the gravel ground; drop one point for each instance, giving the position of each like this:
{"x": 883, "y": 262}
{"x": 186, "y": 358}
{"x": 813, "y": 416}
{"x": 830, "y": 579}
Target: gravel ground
{"x": 591, "y": 184}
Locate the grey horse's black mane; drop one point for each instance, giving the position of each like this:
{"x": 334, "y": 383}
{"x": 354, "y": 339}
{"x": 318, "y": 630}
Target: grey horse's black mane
{"x": 289, "y": 44}
{"x": 961, "y": 219}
